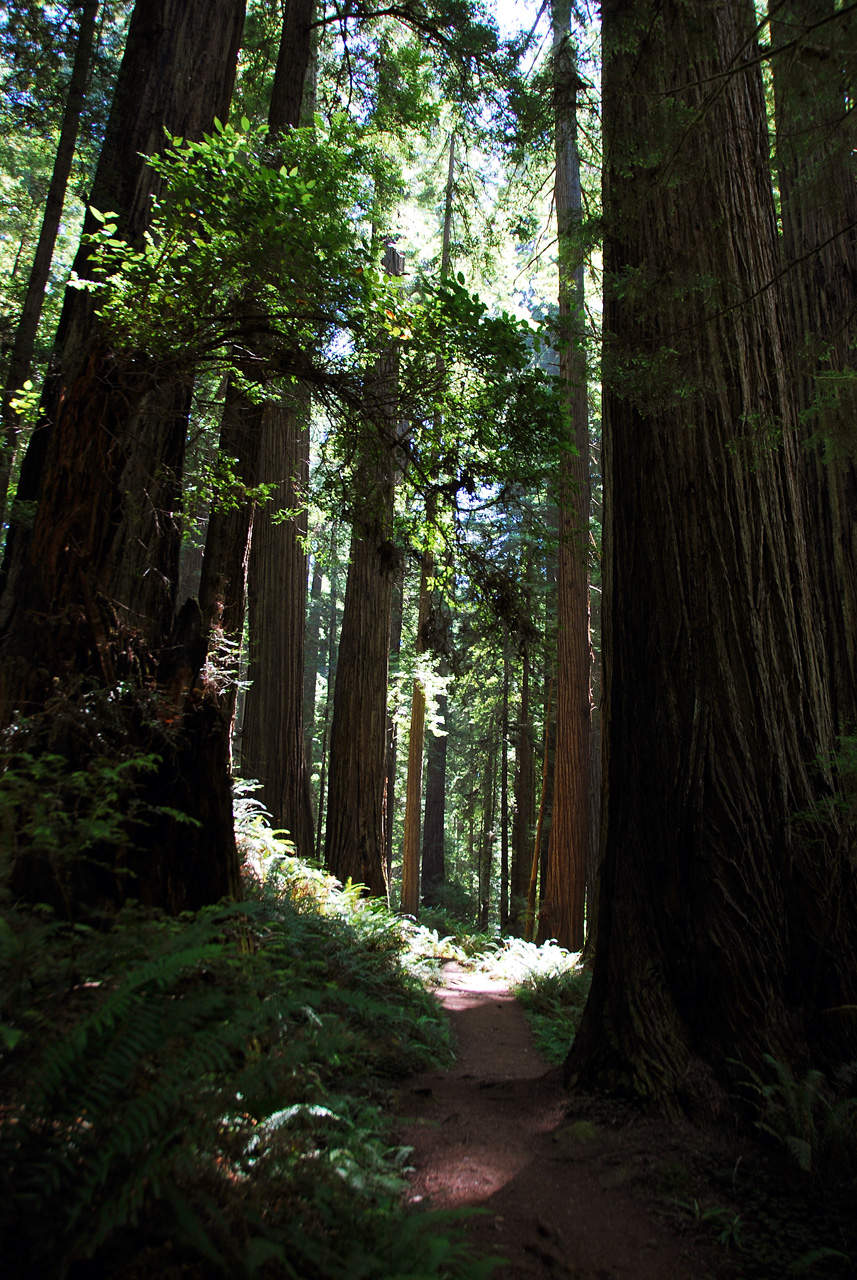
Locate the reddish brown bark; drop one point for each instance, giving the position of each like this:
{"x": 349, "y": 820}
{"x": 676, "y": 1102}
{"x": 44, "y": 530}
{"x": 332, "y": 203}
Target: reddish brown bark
{"x": 272, "y": 745}
{"x": 715, "y": 943}
{"x": 818, "y": 199}
{"x": 89, "y": 589}
{"x": 354, "y": 838}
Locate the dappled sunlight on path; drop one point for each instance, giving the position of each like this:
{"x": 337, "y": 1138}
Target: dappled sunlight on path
{"x": 492, "y": 1133}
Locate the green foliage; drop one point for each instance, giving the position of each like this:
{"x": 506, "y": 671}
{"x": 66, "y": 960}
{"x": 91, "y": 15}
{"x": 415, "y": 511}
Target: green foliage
{"x": 207, "y": 1090}
{"x": 814, "y": 1120}
{"x": 552, "y": 986}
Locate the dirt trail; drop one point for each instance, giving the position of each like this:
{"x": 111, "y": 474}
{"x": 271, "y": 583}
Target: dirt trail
{"x": 495, "y": 1132}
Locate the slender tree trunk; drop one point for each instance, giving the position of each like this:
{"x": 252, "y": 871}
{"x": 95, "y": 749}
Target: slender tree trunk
{"x": 530, "y": 920}
{"x": 486, "y": 841}
{"x": 354, "y": 840}
{"x": 313, "y": 635}
{"x": 562, "y": 912}
{"x": 525, "y": 816}
{"x": 434, "y": 853}
{"x": 332, "y": 651}
{"x": 413, "y": 792}
{"x": 272, "y": 744}
{"x": 504, "y": 795}
{"x": 715, "y": 943}
{"x": 23, "y": 345}
{"x": 396, "y": 619}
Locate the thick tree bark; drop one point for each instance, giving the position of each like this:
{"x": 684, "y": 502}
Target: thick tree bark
{"x": 354, "y": 839}
{"x": 562, "y": 911}
{"x": 23, "y": 346}
{"x": 89, "y": 587}
{"x": 177, "y": 74}
{"x": 715, "y": 942}
{"x": 272, "y": 744}
{"x": 818, "y": 200}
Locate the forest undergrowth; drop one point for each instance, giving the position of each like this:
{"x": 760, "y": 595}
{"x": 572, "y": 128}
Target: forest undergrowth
{"x": 208, "y": 1096}
{"x": 204, "y": 1096}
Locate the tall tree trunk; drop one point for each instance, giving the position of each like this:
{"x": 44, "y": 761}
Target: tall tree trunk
{"x": 23, "y": 345}
{"x": 525, "y": 803}
{"x": 413, "y": 791}
{"x": 311, "y": 655}
{"x": 818, "y": 199}
{"x": 562, "y": 911}
{"x": 89, "y": 587}
{"x": 332, "y": 652}
{"x": 177, "y": 74}
{"x": 354, "y": 839}
{"x": 715, "y": 943}
{"x": 414, "y": 787}
{"x": 272, "y": 743}
{"x": 487, "y": 836}
{"x": 397, "y": 610}
{"x": 504, "y": 794}
{"x": 434, "y": 853}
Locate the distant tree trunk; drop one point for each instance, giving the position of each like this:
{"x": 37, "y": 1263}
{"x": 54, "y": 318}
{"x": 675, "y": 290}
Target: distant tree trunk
{"x": 434, "y": 853}
{"x": 332, "y": 650}
{"x": 413, "y": 792}
{"x": 396, "y": 619}
{"x": 272, "y": 743}
{"x": 247, "y": 435}
{"x": 414, "y": 788}
{"x": 530, "y": 918}
{"x": 818, "y": 198}
{"x": 487, "y": 836}
{"x": 23, "y": 345}
{"x": 525, "y": 804}
{"x": 504, "y": 795}
{"x": 225, "y": 562}
{"x": 562, "y": 911}
{"x": 311, "y": 656}
{"x": 717, "y": 939}
{"x": 354, "y": 840}
{"x": 89, "y": 587}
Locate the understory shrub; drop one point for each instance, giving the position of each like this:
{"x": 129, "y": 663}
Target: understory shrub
{"x": 200, "y": 1096}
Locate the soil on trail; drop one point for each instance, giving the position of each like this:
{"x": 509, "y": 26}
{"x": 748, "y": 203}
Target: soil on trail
{"x": 561, "y": 1182}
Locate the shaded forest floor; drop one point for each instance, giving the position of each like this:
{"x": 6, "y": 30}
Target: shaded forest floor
{"x": 579, "y": 1188}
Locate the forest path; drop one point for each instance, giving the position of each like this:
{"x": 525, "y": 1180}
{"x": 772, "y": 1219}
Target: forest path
{"x": 497, "y": 1132}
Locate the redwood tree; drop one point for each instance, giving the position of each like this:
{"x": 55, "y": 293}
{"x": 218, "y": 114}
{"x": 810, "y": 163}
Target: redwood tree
{"x": 724, "y": 932}
{"x": 90, "y": 573}
{"x": 818, "y": 200}
{"x": 561, "y": 914}
{"x": 354, "y": 837}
